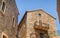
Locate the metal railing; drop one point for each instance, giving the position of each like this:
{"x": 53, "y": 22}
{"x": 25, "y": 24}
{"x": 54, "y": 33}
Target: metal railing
{"x": 45, "y": 25}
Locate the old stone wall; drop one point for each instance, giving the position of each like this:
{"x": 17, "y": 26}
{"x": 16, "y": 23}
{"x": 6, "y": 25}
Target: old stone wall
{"x": 9, "y": 21}
{"x": 33, "y": 16}
{"x": 22, "y": 28}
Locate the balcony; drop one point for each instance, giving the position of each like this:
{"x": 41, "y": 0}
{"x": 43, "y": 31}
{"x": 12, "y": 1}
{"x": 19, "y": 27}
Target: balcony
{"x": 41, "y": 26}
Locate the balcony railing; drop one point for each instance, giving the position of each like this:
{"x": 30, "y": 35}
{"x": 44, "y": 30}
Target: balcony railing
{"x": 40, "y": 25}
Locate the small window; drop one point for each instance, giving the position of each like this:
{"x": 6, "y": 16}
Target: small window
{"x": 4, "y": 36}
{"x": 13, "y": 22}
{"x": 39, "y": 14}
{"x": 3, "y": 6}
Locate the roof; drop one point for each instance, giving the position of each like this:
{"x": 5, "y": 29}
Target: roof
{"x": 20, "y": 24}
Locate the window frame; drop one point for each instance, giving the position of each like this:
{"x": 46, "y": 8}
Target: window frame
{"x": 3, "y": 6}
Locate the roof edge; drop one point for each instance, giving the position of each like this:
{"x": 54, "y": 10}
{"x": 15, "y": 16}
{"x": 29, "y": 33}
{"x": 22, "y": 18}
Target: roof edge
{"x": 41, "y": 10}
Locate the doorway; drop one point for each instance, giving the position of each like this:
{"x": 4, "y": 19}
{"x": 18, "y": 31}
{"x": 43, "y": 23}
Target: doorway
{"x": 41, "y": 34}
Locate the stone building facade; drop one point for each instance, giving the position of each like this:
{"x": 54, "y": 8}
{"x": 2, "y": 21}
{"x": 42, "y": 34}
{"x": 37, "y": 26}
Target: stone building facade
{"x": 58, "y": 8}
{"x": 37, "y": 24}
{"x": 8, "y": 19}
{"x": 34, "y": 24}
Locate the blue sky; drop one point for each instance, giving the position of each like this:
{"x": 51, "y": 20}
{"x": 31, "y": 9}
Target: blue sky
{"x": 49, "y": 6}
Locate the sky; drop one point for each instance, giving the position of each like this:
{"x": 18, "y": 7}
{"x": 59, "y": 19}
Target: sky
{"x": 49, "y": 6}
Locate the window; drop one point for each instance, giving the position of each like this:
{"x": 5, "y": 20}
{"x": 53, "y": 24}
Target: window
{"x": 3, "y": 6}
{"x": 39, "y": 14}
{"x": 4, "y": 36}
{"x": 13, "y": 22}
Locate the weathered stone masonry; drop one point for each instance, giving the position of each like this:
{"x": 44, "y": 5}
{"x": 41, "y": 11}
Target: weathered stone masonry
{"x": 36, "y": 22}
{"x": 8, "y": 19}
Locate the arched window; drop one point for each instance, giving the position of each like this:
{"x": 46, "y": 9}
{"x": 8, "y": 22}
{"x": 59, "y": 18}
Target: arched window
{"x": 3, "y": 6}
{"x": 4, "y": 36}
